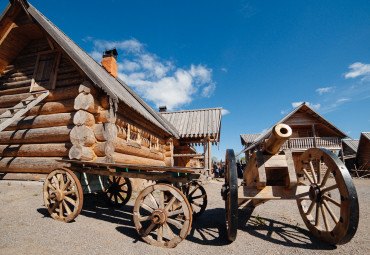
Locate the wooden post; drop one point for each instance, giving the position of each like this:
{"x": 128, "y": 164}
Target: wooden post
{"x": 206, "y": 161}
{"x": 314, "y": 135}
{"x": 209, "y": 155}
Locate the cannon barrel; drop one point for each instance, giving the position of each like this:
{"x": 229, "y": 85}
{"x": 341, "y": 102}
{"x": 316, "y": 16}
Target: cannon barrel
{"x": 280, "y": 133}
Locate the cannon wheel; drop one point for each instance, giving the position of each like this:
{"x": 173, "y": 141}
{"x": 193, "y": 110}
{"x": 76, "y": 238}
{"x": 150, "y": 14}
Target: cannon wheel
{"x": 332, "y": 212}
{"x": 63, "y": 196}
{"x": 231, "y": 196}
{"x": 197, "y": 197}
{"x": 118, "y": 192}
{"x": 159, "y": 222}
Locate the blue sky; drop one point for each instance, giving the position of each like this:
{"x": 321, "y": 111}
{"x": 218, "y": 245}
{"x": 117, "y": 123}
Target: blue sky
{"x": 256, "y": 59}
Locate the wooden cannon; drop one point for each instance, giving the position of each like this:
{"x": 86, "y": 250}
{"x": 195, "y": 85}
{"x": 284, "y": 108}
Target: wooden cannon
{"x": 317, "y": 180}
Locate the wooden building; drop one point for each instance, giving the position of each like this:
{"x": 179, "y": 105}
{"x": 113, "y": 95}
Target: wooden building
{"x": 196, "y": 127}
{"x": 363, "y": 152}
{"x": 310, "y": 130}
{"x": 56, "y": 102}
{"x": 349, "y": 153}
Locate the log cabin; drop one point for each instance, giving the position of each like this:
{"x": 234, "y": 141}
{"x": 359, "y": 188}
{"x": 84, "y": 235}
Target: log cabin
{"x": 56, "y": 102}
{"x": 309, "y": 130}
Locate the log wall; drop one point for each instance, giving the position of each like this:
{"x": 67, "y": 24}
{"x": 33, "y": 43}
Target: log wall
{"x": 35, "y": 142}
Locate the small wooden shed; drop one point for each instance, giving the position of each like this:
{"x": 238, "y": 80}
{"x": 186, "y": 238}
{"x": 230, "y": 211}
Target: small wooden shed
{"x": 196, "y": 127}
{"x": 57, "y": 102}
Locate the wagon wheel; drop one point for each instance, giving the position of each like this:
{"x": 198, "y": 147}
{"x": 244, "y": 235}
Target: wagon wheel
{"x": 63, "y": 195}
{"x": 230, "y": 195}
{"x": 162, "y": 223}
{"x": 197, "y": 197}
{"x": 331, "y": 213}
{"x": 118, "y": 192}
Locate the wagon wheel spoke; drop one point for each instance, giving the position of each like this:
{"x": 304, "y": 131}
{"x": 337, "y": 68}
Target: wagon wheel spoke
{"x": 307, "y": 176}
{"x": 175, "y": 223}
{"x": 324, "y": 217}
{"x": 67, "y": 207}
{"x": 311, "y": 207}
{"x": 68, "y": 183}
{"x": 70, "y": 200}
{"x": 55, "y": 206}
{"x": 200, "y": 196}
{"x": 60, "y": 210}
{"x": 317, "y": 214}
{"x": 325, "y": 179}
{"x": 120, "y": 196}
{"x": 176, "y": 212}
{"x": 170, "y": 203}
{"x": 329, "y": 188}
{"x": 331, "y": 200}
{"x": 144, "y": 218}
{"x": 169, "y": 230}
{"x": 70, "y": 192}
{"x": 313, "y": 172}
{"x": 51, "y": 187}
{"x": 193, "y": 191}
{"x": 319, "y": 170}
{"x": 56, "y": 182}
{"x": 335, "y": 219}
{"x": 160, "y": 234}
{"x": 147, "y": 207}
{"x": 115, "y": 197}
{"x": 152, "y": 200}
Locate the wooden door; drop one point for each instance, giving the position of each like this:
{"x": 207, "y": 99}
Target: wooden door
{"x": 45, "y": 74}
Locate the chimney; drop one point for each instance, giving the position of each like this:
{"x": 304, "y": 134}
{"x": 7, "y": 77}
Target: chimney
{"x": 163, "y": 108}
{"x": 110, "y": 61}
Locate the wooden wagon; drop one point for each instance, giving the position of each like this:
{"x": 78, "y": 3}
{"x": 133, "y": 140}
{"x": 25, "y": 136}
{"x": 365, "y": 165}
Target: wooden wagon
{"x": 163, "y": 212}
{"x": 318, "y": 181}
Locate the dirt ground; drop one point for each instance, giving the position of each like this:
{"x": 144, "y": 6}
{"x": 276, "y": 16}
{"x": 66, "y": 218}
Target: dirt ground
{"x": 26, "y": 228}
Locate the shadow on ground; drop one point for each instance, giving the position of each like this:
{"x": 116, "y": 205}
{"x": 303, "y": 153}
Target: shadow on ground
{"x": 209, "y": 228}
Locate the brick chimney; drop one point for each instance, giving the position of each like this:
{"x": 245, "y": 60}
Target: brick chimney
{"x": 110, "y": 61}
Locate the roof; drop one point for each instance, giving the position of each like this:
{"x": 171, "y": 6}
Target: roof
{"x": 303, "y": 107}
{"x": 247, "y": 139}
{"x": 198, "y": 123}
{"x": 114, "y": 87}
{"x": 366, "y": 135}
{"x": 352, "y": 144}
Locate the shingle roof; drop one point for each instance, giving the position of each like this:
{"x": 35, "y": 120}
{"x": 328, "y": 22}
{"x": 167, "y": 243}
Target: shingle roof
{"x": 115, "y": 88}
{"x": 366, "y": 135}
{"x": 352, "y": 144}
{"x": 196, "y": 123}
{"x": 247, "y": 139}
{"x": 306, "y": 109}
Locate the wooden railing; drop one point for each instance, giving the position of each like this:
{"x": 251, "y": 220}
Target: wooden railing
{"x": 312, "y": 142}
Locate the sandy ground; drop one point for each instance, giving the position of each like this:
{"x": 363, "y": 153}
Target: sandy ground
{"x": 26, "y": 228}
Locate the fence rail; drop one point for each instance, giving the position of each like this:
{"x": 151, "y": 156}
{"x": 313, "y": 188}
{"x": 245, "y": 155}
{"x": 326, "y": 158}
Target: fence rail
{"x": 312, "y": 142}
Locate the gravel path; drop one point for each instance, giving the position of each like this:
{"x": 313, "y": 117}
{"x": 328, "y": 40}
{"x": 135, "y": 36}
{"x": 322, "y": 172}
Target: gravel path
{"x": 274, "y": 227}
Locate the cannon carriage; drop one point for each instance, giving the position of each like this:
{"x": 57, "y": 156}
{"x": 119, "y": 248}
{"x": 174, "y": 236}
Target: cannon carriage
{"x": 319, "y": 182}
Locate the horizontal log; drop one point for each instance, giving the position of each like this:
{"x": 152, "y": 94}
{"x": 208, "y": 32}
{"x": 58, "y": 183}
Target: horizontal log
{"x": 54, "y": 95}
{"x": 105, "y": 131}
{"x": 72, "y": 75}
{"x": 66, "y": 69}
{"x": 87, "y": 102}
{"x": 16, "y": 84}
{"x": 130, "y": 159}
{"x": 35, "y": 150}
{"x": 69, "y": 82}
{"x": 105, "y": 116}
{"x": 49, "y": 108}
{"x": 15, "y": 91}
{"x": 36, "y": 135}
{"x": 104, "y": 149}
{"x": 81, "y": 153}
{"x": 87, "y": 87}
{"x": 82, "y": 135}
{"x": 122, "y": 146}
{"x": 23, "y": 177}
{"x": 168, "y": 161}
{"x": 83, "y": 118}
{"x": 41, "y": 121}
{"x": 168, "y": 154}
{"x": 30, "y": 164}
{"x": 13, "y": 79}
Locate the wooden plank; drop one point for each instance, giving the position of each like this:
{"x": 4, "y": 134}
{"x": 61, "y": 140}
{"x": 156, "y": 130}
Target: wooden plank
{"x": 274, "y": 192}
{"x": 138, "y": 167}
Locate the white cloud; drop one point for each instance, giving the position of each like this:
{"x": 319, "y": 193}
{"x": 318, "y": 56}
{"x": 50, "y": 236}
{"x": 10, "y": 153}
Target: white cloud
{"x": 324, "y": 90}
{"x": 155, "y": 79}
{"x": 313, "y": 106}
{"x": 341, "y": 100}
{"x": 223, "y": 69}
{"x": 359, "y": 69}
{"x": 224, "y": 112}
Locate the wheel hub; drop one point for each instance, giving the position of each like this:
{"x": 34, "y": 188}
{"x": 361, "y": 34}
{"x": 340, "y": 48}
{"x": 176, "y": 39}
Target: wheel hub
{"x": 59, "y": 195}
{"x": 315, "y": 193}
{"x": 159, "y": 216}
